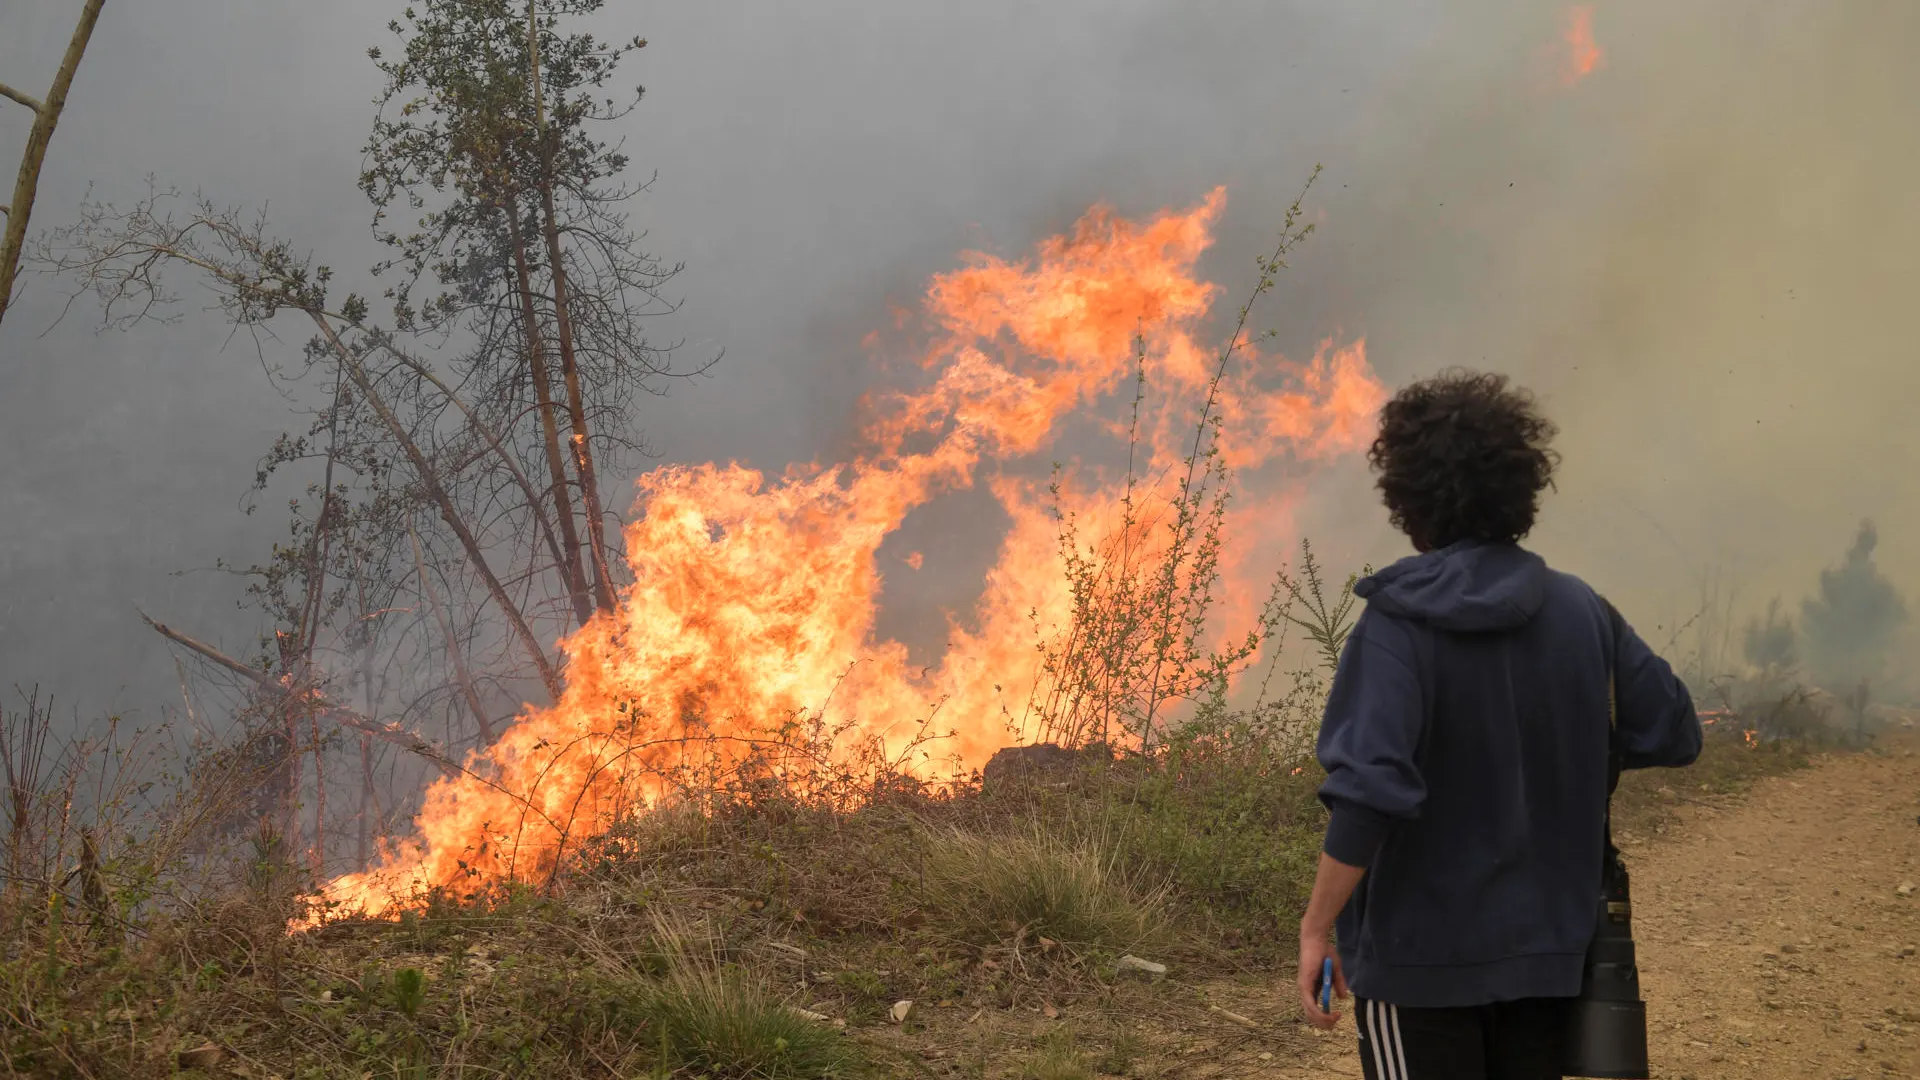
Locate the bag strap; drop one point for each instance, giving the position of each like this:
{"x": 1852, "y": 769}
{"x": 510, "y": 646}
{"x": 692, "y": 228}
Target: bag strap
{"x": 1612, "y": 864}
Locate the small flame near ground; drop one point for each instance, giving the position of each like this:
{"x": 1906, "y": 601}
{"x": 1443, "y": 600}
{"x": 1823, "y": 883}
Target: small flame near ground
{"x": 749, "y": 626}
{"x": 1583, "y": 55}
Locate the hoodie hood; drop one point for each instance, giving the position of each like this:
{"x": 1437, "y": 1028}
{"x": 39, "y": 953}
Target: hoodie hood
{"x": 1469, "y": 586}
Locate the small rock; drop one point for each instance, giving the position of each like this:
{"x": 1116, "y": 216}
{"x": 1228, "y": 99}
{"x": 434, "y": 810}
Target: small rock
{"x": 1266, "y": 1055}
{"x": 816, "y": 1017}
{"x": 1905, "y": 889}
{"x": 1873, "y": 1025}
{"x": 900, "y": 1011}
{"x": 1909, "y": 950}
{"x": 1789, "y": 948}
{"x": 1147, "y": 969}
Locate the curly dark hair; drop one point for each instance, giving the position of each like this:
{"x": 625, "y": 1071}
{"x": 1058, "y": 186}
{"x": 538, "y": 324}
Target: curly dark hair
{"x": 1463, "y": 456}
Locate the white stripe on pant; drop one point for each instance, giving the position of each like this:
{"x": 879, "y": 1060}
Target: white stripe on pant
{"x": 1383, "y": 1034}
{"x": 1399, "y": 1047}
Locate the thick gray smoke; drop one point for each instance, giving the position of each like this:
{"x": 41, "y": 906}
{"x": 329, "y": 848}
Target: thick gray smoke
{"x": 1700, "y": 255}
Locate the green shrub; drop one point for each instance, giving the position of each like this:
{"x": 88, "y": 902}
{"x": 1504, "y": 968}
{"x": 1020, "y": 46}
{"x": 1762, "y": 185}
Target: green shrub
{"x": 1232, "y": 832}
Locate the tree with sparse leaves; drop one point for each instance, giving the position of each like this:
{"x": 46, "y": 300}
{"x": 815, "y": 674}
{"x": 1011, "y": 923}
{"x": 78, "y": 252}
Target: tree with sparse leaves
{"x": 517, "y": 237}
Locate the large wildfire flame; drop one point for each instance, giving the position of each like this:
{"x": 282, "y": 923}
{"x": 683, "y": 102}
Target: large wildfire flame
{"x": 754, "y": 598}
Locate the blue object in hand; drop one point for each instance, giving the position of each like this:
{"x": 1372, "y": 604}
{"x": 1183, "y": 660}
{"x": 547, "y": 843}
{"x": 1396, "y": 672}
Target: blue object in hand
{"x": 1326, "y": 984}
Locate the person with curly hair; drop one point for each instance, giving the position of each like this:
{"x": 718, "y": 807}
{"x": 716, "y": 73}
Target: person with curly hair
{"x": 1467, "y": 744}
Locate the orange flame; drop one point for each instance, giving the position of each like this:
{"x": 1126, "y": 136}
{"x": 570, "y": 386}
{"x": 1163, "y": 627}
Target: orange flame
{"x": 754, "y": 598}
{"x": 1752, "y": 737}
{"x": 1583, "y": 55}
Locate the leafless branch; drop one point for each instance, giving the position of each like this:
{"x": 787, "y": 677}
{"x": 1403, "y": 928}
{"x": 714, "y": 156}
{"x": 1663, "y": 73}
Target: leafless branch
{"x": 46, "y": 115}
{"x": 337, "y": 713}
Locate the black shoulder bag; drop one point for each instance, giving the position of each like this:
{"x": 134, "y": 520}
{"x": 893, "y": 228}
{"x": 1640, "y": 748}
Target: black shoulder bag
{"x": 1607, "y": 1024}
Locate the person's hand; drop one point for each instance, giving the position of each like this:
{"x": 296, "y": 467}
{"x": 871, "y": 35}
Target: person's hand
{"x": 1314, "y": 950}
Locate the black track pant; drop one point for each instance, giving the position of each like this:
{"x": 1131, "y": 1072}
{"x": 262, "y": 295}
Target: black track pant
{"x": 1514, "y": 1040}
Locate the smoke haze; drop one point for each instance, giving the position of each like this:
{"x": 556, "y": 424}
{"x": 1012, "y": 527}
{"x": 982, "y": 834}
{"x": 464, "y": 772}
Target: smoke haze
{"x": 1700, "y": 254}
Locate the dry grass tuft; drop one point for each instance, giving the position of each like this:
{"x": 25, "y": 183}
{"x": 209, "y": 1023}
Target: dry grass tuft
{"x": 724, "y": 1022}
{"x": 1024, "y": 886}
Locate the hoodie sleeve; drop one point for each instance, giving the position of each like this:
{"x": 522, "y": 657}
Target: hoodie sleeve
{"x": 1376, "y": 715}
{"x": 1657, "y": 724}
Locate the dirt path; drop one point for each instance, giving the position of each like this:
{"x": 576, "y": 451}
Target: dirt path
{"x": 1774, "y": 940}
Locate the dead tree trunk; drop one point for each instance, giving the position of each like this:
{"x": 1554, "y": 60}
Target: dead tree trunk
{"x": 549, "y": 428}
{"x": 563, "y": 325}
{"x": 46, "y": 116}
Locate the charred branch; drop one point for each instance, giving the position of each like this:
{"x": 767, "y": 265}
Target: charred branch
{"x": 318, "y": 702}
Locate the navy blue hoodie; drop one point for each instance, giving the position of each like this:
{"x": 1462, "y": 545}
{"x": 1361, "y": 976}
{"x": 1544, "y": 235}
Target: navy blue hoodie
{"x": 1465, "y": 744}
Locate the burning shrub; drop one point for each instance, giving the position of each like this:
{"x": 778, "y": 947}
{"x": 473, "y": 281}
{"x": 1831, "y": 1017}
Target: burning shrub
{"x": 745, "y": 654}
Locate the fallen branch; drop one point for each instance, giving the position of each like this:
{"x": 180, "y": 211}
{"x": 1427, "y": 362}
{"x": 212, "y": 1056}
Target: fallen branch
{"x": 1234, "y": 1016}
{"x": 339, "y": 714}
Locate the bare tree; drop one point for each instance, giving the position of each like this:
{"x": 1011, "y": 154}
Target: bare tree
{"x": 46, "y": 116}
